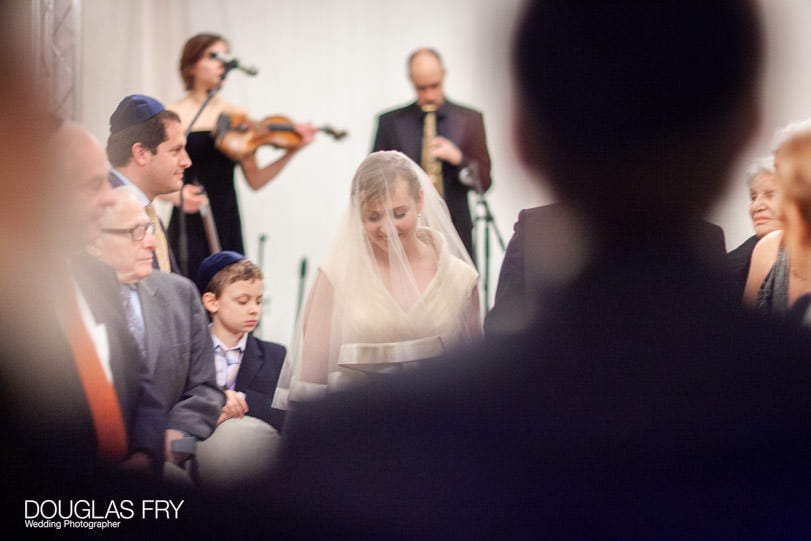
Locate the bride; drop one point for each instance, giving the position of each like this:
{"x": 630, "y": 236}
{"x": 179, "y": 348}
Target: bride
{"x": 396, "y": 286}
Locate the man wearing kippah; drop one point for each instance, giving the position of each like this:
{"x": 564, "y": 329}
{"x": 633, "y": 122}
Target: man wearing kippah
{"x": 147, "y": 149}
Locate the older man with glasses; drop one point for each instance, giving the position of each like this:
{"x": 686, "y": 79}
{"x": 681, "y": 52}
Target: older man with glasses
{"x": 167, "y": 320}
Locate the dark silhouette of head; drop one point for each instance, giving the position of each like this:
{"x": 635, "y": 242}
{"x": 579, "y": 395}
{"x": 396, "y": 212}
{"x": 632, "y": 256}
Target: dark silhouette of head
{"x": 635, "y": 110}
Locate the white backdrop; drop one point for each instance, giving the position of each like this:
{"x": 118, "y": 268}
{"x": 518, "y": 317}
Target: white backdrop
{"x": 342, "y": 62}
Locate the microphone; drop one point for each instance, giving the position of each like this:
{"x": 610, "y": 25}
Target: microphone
{"x": 469, "y": 176}
{"x": 233, "y": 63}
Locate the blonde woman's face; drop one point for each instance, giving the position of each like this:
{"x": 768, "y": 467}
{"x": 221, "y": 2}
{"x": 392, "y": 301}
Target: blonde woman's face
{"x": 396, "y": 215}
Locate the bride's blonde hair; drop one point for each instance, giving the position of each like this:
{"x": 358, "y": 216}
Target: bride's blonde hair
{"x": 377, "y": 175}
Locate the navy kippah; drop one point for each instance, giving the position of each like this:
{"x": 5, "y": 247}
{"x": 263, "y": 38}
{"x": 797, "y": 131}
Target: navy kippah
{"x": 214, "y": 264}
{"x": 133, "y": 110}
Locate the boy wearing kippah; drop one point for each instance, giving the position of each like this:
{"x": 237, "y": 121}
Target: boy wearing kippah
{"x": 247, "y": 368}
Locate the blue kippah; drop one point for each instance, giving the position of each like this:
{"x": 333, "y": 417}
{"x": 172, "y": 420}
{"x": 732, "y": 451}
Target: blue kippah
{"x": 214, "y": 264}
{"x": 133, "y": 110}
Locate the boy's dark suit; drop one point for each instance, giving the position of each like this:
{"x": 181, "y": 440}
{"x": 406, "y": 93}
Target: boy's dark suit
{"x": 257, "y": 378}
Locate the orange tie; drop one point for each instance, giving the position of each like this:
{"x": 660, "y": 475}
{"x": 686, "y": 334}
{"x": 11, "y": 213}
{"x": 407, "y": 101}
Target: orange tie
{"x": 101, "y": 396}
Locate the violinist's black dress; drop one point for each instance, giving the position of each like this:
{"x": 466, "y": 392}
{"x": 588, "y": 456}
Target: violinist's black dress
{"x": 214, "y": 171}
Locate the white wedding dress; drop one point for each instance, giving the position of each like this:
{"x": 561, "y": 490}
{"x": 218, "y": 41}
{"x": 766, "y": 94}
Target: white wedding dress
{"x": 378, "y": 331}
{"x": 365, "y": 318}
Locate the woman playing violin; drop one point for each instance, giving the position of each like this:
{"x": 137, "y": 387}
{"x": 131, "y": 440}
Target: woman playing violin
{"x": 213, "y": 170}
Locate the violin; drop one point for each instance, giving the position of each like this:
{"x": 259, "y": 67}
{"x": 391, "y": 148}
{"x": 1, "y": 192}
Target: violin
{"x": 238, "y": 137}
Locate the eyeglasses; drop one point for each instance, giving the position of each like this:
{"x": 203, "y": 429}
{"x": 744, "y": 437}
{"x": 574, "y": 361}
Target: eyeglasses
{"x": 136, "y": 233}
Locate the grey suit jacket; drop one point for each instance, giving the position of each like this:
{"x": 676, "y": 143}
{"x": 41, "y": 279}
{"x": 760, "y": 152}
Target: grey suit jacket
{"x": 180, "y": 354}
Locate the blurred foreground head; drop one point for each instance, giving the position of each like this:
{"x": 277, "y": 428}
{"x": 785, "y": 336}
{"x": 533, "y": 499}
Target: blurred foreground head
{"x": 33, "y": 224}
{"x": 83, "y": 180}
{"x": 26, "y": 198}
{"x": 635, "y": 111}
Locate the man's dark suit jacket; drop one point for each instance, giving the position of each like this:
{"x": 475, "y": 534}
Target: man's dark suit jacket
{"x": 180, "y": 354}
{"x": 50, "y": 448}
{"x": 738, "y": 261}
{"x": 647, "y": 408}
{"x": 115, "y": 182}
{"x": 529, "y": 268}
{"x": 401, "y": 129}
{"x": 530, "y": 274}
{"x": 257, "y": 377}
{"x": 49, "y": 445}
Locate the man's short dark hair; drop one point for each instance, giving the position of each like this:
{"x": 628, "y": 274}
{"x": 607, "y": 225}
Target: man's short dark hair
{"x": 607, "y": 85}
{"x": 149, "y": 133}
{"x": 604, "y": 71}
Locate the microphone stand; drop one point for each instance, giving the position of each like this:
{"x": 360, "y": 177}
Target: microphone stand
{"x": 302, "y": 278}
{"x": 261, "y": 263}
{"x": 183, "y": 235}
{"x": 484, "y": 215}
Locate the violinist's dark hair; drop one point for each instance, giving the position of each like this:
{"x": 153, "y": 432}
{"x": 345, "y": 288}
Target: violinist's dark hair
{"x": 149, "y": 133}
{"x": 192, "y": 52}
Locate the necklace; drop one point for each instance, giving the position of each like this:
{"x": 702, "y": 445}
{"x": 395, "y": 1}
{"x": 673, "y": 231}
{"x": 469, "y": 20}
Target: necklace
{"x": 796, "y": 273}
{"x": 803, "y": 277}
